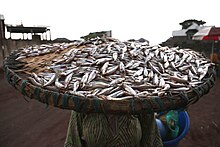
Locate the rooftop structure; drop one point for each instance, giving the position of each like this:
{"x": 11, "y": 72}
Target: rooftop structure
{"x": 22, "y": 29}
{"x": 32, "y": 30}
{"x": 189, "y": 28}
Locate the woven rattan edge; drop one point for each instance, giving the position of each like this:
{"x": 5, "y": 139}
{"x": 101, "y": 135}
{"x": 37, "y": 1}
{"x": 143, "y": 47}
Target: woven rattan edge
{"x": 96, "y": 105}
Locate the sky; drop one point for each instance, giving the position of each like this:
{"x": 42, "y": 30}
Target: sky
{"x": 128, "y": 19}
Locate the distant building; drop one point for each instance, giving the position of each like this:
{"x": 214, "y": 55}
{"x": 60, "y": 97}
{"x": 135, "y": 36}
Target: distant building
{"x": 34, "y": 31}
{"x": 2, "y": 34}
{"x": 39, "y": 35}
{"x": 183, "y": 37}
{"x": 2, "y": 27}
{"x": 188, "y": 30}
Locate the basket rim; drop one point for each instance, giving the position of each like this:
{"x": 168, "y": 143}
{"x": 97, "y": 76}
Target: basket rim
{"x": 149, "y": 104}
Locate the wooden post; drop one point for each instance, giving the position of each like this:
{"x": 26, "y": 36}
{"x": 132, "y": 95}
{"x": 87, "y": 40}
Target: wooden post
{"x": 46, "y": 35}
{"x": 50, "y": 34}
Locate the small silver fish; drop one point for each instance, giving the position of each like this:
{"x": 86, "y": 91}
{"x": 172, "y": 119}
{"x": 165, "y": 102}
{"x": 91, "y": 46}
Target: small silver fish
{"x": 180, "y": 89}
{"x": 135, "y": 65}
{"x": 161, "y": 67}
{"x": 162, "y": 82}
{"x": 154, "y": 68}
{"x": 104, "y": 68}
{"x": 155, "y": 80}
{"x": 111, "y": 70}
{"x": 84, "y": 79}
{"x": 120, "y": 98}
{"x": 122, "y": 67}
{"x": 151, "y": 74}
{"x": 166, "y": 64}
{"x": 117, "y": 94}
{"x": 129, "y": 89}
{"x": 92, "y": 76}
{"x": 98, "y": 84}
{"x": 171, "y": 57}
{"x": 75, "y": 86}
{"x": 58, "y": 84}
{"x": 67, "y": 80}
{"x": 165, "y": 58}
{"x": 143, "y": 94}
{"x": 202, "y": 75}
{"x": 116, "y": 81}
{"x": 166, "y": 87}
{"x": 33, "y": 81}
{"x": 139, "y": 72}
{"x": 38, "y": 79}
{"x": 129, "y": 64}
{"x": 145, "y": 72}
{"x": 115, "y": 56}
{"x": 177, "y": 79}
{"x": 102, "y": 60}
{"x": 105, "y": 91}
{"x": 52, "y": 80}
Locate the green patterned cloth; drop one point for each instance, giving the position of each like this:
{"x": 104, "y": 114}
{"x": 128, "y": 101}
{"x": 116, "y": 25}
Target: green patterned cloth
{"x": 104, "y": 130}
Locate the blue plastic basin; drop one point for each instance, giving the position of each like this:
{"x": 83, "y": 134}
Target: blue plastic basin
{"x": 184, "y": 128}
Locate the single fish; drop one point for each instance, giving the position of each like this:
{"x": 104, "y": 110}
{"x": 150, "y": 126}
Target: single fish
{"x": 120, "y": 98}
{"x": 129, "y": 89}
{"x": 58, "y": 84}
{"x": 98, "y": 84}
{"x": 92, "y": 76}
{"x": 154, "y": 68}
{"x": 162, "y": 82}
{"x": 166, "y": 64}
{"x": 151, "y": 74}
{"x": 115, "y": 56}
{"x": 111, "y": 70}
{"x": 161, "y": 67}
{"x": 102, "y": 60}
{"x": 105, "y": 91}
{"x": 180, "y": 89}
{"x": 67, "y": 80}
{"x": 33, "y": 81}
{"x": 129, "y": 64}
{"x": 155, "y": 79}
{"x": 104, "y": 68}
{"x": 75, "y": 86}
{"x": 177, "y": 79}
{"x": 117, "y": 94}
{"x": 84, "y": 79}
{"x": 52, "y": 80}
{"x": 116, "y": 81}
{"x": 122, "y": 67}
{"x": 166, "y": 87}
{"x": 139, "y": 72}
{"x": 145, "y": 72}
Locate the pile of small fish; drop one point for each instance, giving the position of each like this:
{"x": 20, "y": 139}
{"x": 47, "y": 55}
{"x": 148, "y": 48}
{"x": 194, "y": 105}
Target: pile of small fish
{"x": 111, "y": 69}
{"x": 42, "y": 49}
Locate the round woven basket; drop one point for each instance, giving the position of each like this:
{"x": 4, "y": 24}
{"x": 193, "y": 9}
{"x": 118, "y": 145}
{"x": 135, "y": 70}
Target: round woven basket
{"x": 80, "y": 104}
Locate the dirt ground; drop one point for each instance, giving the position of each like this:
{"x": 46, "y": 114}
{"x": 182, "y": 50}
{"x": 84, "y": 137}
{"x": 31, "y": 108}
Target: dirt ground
{"x": 29, "y": 123}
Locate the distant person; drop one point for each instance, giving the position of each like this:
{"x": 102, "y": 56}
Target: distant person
{"x": 214, "y": 57}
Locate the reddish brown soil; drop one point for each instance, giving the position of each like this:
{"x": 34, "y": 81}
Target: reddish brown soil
{"x": 31, "y": 124}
